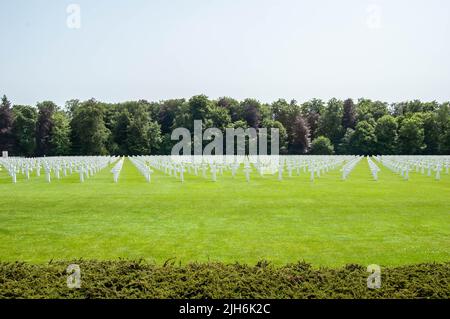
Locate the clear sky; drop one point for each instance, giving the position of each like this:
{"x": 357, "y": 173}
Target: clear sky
{"x": 390, "y": 50}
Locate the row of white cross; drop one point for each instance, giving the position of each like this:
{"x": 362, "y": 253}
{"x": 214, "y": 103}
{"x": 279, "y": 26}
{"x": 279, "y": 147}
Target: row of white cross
{"x": 58, "y": 167}
{"x": 212, "y": 167}
{"x": 177, "y": 166}
{"x": 374, "y": 169}
{"x": 428, "y": 165}
{"x": 349, "y": 166}
{"x": 142, "y": 167}
{"x": 117, "y": 169}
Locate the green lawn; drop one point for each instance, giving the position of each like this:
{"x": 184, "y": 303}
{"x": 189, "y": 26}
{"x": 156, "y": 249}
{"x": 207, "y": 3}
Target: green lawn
{"x": 329, "y": 222}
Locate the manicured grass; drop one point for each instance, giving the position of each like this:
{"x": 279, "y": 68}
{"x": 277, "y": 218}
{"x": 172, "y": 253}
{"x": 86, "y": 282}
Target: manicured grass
{"x": 328, "y": 223}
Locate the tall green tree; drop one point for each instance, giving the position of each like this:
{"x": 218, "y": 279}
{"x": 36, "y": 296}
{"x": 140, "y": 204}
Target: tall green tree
{"x": 349, "y": 115}
{"x": 133, "y": 131}
{"x": 199, "y": 108}
{"x": 445, "y": 144}
{"x": 431, "y": 133}
{"x": 285, "y": 112}
{"x": 411, "y": 136}
{"x": 252, "y": 112}
{"x": 311, "y": 111}
{"x": 345, "y": 146}
{"x": 443, "y": 119}
{"x": 119, "y": 131}
{"x": 378, "y": 109}
{"x": 330, "y": 122}
{"x": 24, "y": 129}
{"x": 364, "y": 141}
{"x": 44, "y": 126}
{"x": 6, "y": 126}
{"x": 88, "y": 130}
{"x": 298, "y": 132}
{"x": 220, "y": 117}
{"x": 386, "y": 133}
{"x": 282, "y": 135}
{"x": 60, "y": 134}
{"x": 233, "y": 107}
{"x": 143, "y": 135}
{"x": 300, "y": 140}
{"x": 167, "y": 114}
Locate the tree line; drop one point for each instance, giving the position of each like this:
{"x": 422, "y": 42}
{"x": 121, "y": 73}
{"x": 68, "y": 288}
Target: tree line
{"x": 91, "y": 127}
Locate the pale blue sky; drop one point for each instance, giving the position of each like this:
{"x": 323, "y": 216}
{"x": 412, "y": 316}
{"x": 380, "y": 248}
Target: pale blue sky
{"x": 126, "y": 50}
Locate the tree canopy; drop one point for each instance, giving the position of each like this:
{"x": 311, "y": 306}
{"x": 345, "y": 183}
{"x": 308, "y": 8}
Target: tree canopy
{"x": 92, "y": 127}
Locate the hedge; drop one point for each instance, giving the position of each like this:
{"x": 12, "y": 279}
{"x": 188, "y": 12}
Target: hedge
{"x": 138, "y": 279}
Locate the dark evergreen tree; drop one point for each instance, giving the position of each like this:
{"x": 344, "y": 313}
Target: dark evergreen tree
{"x": 349, "y": 116}
{"x": 44, "y": 126}
{"x": 6, "y": 126}
{"x": 24, "y": 129}
{"x": 431, "y": 133}
{"x": 252, "y": 114}
{"x": 300, "y": 141}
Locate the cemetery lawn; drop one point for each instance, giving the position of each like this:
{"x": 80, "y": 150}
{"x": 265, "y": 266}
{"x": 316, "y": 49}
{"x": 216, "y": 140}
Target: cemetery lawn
{"x": 328, "y": 223}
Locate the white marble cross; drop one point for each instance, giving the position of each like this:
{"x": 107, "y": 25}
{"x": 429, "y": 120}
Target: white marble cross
{"x": 247, "y": 170}
{"x": 213, "y": 169}
{"x": 280, "y": 172}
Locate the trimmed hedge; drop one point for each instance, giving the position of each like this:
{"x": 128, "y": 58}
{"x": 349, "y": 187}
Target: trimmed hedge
{"x": 137, "y": 279}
